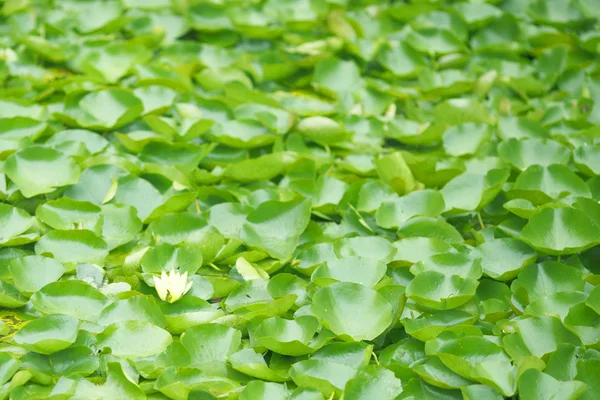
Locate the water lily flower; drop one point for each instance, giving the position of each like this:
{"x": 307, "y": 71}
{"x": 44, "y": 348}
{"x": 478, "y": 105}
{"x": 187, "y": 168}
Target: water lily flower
{"x": 8, "y": 55}
{"x": 172, "y": 286}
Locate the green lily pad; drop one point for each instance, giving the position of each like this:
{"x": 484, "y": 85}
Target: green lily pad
{"x": 586, "y": 159}
{"x": 211, "y": 343}
{"x": 431, "y": 228}
{"x": 253, "y": 364}
{"x": 322, "y": 130}
{"x": 117, "y": 384}
{"x": 178, "y": 382}
{"x": 131, "y": 339}
{"x": 369, "y": 199}
{"x": 289, "y": 337}
{"x": 326, "y": 377}
{"x": 435, "y": 372}
{"x": 73, "y": 246}
{"x": 102, "y": 110}
{"x": 461, "y": 110}
{"x": 32, "y": 273}
{"x": 68, "y": 214}
{"x": 542, "y": 184}
{"x": 38, "y": 170}
{"x": 534, "y": 384}
{"x": 352, "y": 354}
{"x": 394, "y": 213}
{"x": 471, "y": 191}
{"x": 75, "y": 298}
{"x": 522, "y": 154}
{"x": 243, "y": 134}
{"x": 373, "y": 381}
{"x": 120, "y": 224}
{"x": 276, "y": 227}
{"x": 352, "y": 311}
{"x": 10, "y": 296}
{"x": 136, "y": 308}
{"x": 15, "y": 221}
{"x": 350, "y": 269}
{"x": 263, "y": 390}
{"x": 49, "y": 334}
{"x": 502, "y": 259}
{"x": 187, "y": 312}
{"x": 537, "y": 336}
{"x": 337, "y": 76}
{"x": 479, "y": 359}
{"x": 560, "y": 231}
{"x": 460, "y": 140}
{"x": 166, "y": 257}
{"x": 438, "y": 291}
{"x": 547, "y": 278}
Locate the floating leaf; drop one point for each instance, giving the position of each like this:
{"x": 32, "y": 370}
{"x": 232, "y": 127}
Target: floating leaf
{"x": 211, "y": 343}
{"x": 542, "y": 184}
{"x": 49, "y": 334}
{"x": 350, "y": 269}
{"x": 471, "y": 191}
{"x": 73, "y": 297}
{"x": 502, "y": 259}
{"x": 560, "y": 231}
{"x": 430, "y": 228}
{"x": 68, "y": 214}
{"x": 32, "y": 273}
{"x": 253, "y": 364}
{"x": 534, "y": 384}
{"x": 522, "y": 154}
{"x": 394, "y": 213}
{"x": 373, "y": 381}
{"x": 38, "y": 170}
{"x": 276, "y": 226}
{"x": 393, "y": 200}
{"x": 136, "y": 308}
{"x": 289, "y": 337}
{"x": 326, "y": 377}
{"x": 14, "y": 222}
{"x": 134, "y": 339}
{"x": 441, "y": 292}
{"x": 352, "y": 311}
{"x": 102, "y": 110}
{"x": 73, "y": 246}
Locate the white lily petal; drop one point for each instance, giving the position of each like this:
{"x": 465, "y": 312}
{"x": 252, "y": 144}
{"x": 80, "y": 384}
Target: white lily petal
{"x": 172, "y": 286}
{"x": 160, "y": 286}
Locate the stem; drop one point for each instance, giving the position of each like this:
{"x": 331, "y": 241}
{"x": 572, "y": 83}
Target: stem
{"x": 197, "y": 206}
{"x": 375, "y": 358}
{"x": 480, "y": 221}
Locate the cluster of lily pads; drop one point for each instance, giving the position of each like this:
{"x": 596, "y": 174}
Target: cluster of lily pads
{"x": 300, "y": 199}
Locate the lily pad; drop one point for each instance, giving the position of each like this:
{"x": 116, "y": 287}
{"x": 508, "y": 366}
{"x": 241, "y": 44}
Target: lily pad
{"x": 73, "y": 246}
{"x": 75, "y": 298}
{"x": 38, "y": 170}
{"x": 48, "y": 334}
{"x": 352, "y": 311}
{"x": 125, "y": 339}
{"x": 560, "y": 231}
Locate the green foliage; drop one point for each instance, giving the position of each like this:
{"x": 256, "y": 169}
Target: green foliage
{"x": 299, "y": 199}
